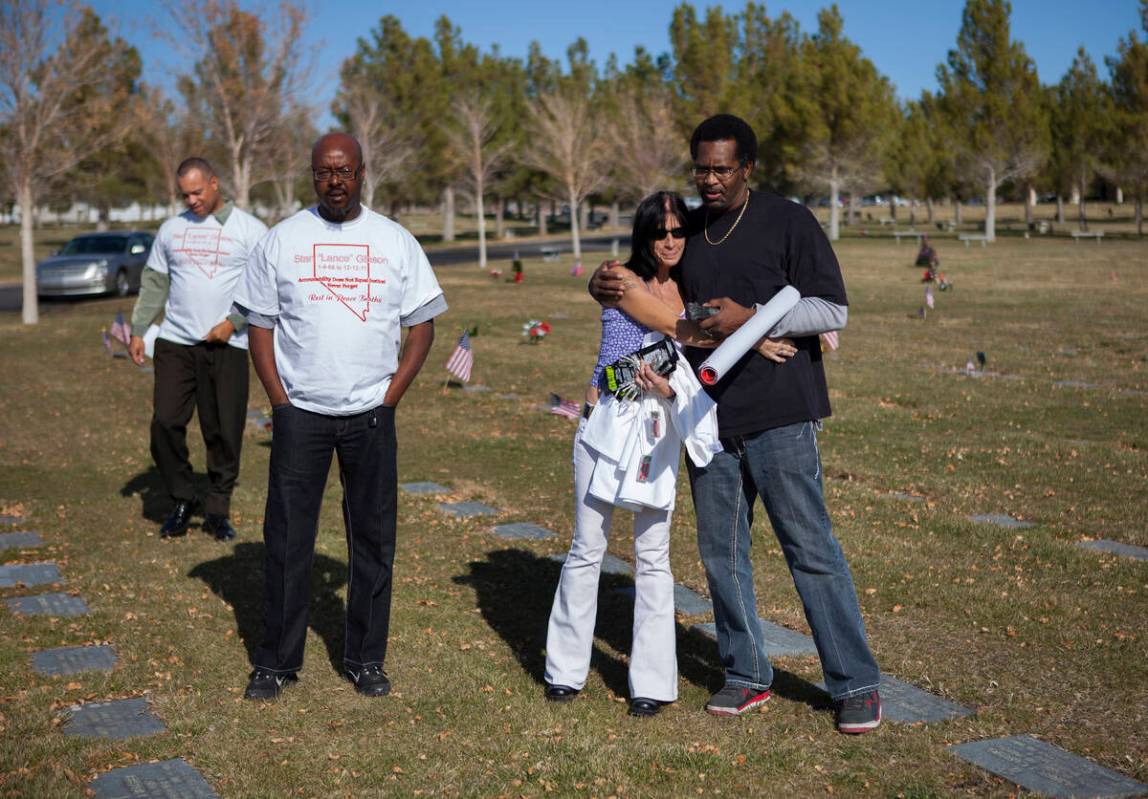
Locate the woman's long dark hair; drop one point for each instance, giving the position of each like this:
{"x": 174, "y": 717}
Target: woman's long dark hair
{"x": 650, "y": 217}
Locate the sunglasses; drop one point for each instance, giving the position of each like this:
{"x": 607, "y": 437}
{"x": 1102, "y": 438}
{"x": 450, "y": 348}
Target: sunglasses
{"x": 661, "y": 233}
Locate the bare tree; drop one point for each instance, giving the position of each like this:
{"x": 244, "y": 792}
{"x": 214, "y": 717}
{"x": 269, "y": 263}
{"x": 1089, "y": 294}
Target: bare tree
{"x": 166, "y": 135}
{"x": 290, "y": 159}
{"x": 565, "y": 144}
{"x": 471, "y": 138}
{"x": 649, "y": 149}
{"x": 386, "y": 151}
{"x": 58, "y": 105}
{"x": 248, "y": 72}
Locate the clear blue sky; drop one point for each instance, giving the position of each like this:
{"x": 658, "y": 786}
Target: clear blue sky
{"x": 906, "y": 39}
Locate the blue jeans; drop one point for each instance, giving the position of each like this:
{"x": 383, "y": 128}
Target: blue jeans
{"x": 783, "y": 467}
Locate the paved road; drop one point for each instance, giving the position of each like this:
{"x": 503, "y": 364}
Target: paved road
{"x": 452, "y": 256}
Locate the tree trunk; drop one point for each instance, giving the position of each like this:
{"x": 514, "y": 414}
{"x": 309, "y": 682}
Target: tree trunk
{"x": 1082, "y": 217}
{"x": 1029, "y": 202}
{"x": 1139, "y": 216}
{"x": 957, "y": 212}
{"x": 991, "y": 206}
{"x": 31, "y": 311}
{"x": 543, "y": 224}
{"x": 241, "y": 176}
{"x": 480, "y": 214}
{"x": 615, "y": 214}
{"x": 500, "y": 217}
{"x": 929, "y": 209}
{"x": 584, "y": 215}
{"x": 1119, "y": 195}
{"x": 834, "y": 221}
{"x": 1059, "y": 209}
{"x": 893, "y": 211}
{"x": 448, "y": 214}
{"x": 574, "y": 238}
{"x": 103, "y": 215}
{"x": 851, "y": 210}
{"x": 912, "y": 213}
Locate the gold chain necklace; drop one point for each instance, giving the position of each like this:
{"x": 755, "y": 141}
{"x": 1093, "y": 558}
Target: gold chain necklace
{"x": 706, "y": 230}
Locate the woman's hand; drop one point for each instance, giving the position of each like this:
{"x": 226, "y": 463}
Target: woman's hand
{"x": 778, "y": 350}
{"x": 653, "y": 383}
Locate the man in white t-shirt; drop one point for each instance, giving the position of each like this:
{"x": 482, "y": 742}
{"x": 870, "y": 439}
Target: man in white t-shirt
{"x": 326, "y": 294}
{"x": 201, "y": 354}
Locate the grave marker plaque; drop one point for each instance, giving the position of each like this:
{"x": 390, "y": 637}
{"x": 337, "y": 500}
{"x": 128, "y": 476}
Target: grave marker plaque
{"x": 1046, "y": 769}
{"x": 170, "y": 779}
{"x": 21, "y": 539}
{"x": 779, "y": 641}
{"x": 466, "y": 510}
{"x": 74, "y": 660}
{"x": 690, "y": 602}
{"x": 1115, "y": 548}
{"x": 118, "y": 719}
{"x": 905, "y": 703}
{"x": 48, "y": 605}
{"x": 423, "y": 488}
{"x": 523, "y": 530}
{"x": 1000, "y": 520}
{"x": 29, "y": 574}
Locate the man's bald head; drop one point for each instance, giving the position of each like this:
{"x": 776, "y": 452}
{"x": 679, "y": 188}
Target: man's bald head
{"x": 337, "y": 168}
{"x": 329, "y": 142}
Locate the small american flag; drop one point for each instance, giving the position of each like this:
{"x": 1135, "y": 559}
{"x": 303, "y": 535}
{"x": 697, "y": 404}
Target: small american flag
{"x": 107, "y": 342}
{"x": 929, "y": 297}
{"x": 567, "y": 408}
{"x": 830, "y": 340}
{"x": 120, "y": 331}
{"x": 461, "y": 361}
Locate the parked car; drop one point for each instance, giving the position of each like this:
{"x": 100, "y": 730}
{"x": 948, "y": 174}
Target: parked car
{"x": 95, "y": 263}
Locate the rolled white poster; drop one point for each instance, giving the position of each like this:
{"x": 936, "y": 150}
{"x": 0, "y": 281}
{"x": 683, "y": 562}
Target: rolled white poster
{"x": 743, "y": 339}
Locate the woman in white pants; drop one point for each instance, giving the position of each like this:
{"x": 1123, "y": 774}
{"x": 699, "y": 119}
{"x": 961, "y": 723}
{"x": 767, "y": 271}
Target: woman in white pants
{"x": 669, "y": 412}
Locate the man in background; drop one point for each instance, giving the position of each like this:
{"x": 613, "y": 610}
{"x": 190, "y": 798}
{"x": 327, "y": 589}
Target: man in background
{"x": 201, "y": 353}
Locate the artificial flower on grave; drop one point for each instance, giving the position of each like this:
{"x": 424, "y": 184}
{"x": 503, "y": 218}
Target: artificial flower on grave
{"x": 535, "y": 330}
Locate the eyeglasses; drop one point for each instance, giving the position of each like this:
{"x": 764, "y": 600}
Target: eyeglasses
{"x": 676, "y": 232}
{"x": 722, "y": 173}
{"x": 343, "y": 173}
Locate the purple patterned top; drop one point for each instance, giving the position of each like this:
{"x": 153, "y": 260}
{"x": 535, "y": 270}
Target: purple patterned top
{"x": 621, "y": 335}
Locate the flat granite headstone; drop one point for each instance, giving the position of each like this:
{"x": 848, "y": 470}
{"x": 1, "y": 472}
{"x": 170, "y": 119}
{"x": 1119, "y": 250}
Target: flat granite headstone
{"x": 21, "y": 539}
{"x": 999, "y": 519}
{"x": 120, "y": 718}
{"x": 476, "y": 389}
{"x": 423, "y": 488}
{"x": 48, "y": 605}
{"x": 1046, "y": 769}
{"x": 467, "y": 510}
{"x": 779, "y": 641}
{"x": 610, "y": 565}
{"x": 1074, "y": 384}
{"x": 73, "y": 660}
{"x": 1115, "y": 548}
{"x": 523, "y": 530}
{"x": 29, "y": 574}
{"x": 907, "y": 704}
{"x": 904, "y": 496}
{"x": 690, "y": 602}
{"x": 169, "y": 779}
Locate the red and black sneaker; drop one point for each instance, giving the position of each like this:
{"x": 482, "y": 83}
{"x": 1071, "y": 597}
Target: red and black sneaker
{"x": 860, "y": 713}
{"x": 733, "y": 700}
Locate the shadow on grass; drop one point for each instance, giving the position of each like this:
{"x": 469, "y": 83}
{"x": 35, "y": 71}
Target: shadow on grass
{"x": 515, "y": 590}
{"x": 237, "y": 579}
{"x": 157, "y": 503}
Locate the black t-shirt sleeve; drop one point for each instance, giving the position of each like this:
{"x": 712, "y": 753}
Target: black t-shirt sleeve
{"x": 811, "y": 264}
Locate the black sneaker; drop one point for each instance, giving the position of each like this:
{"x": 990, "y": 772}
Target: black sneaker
{"x": 644, "y": 708}
{"x": 369, "y": 680}
{"x": 176, "y": 523}
{"x": 560, "y": 693}
{"x": 860, "y": 713}
{"x": 733, "y": 700}
{"x": 218, "y": 526}
{"x": 266, "y": 685}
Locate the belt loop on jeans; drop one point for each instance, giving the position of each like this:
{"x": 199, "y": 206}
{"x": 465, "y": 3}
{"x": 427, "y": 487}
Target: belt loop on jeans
{"x": 587, "y": 409}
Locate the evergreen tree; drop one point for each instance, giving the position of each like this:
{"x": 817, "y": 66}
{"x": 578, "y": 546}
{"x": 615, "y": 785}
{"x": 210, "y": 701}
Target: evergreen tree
{"x": 1129, "y": 147}
{"x": 1080, "y": 122}
{"x": 992, "y": 98}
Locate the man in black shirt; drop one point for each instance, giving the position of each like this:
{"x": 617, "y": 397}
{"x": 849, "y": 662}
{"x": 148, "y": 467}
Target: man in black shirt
{"x": 743, "y": 248}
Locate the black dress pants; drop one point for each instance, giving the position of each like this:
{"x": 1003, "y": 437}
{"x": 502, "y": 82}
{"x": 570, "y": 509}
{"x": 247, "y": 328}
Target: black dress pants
{"x": 212, "y": 378}
{"x": 301, "y": 449}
